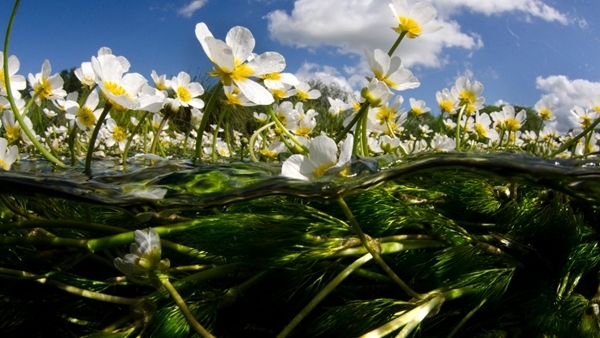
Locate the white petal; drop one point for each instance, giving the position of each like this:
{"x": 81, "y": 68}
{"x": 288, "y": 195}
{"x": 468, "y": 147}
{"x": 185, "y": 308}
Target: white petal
{"x": 299, "y": 167}
{"x": 269, "y": 62}
{"x": 241, "y": 41}
{"x": 323, "y": 150}
{"x": 221, "y": 54}
{"x": 202, "y": 32}
{"x": 255, "y": 92}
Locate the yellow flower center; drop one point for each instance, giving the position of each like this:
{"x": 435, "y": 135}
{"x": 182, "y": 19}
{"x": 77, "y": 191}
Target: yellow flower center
{"x": 410, "y": 26}
{"x": 321, "y": 169}
{"x": 240, "y": 72}
{"x": 545, "y": 114}
{"x": 385, "y": 114}
{"x": 44, "y": 89}
{"x": 114, "y": 88}
{"x": 467, "y": 97}
{"x": 417, "y": 111}
{"x": 585, "y": 121}
{"x": 480, "y": 130}
{"x": 268, "y": 153}
{"x": 278, "y": 94}
{"x": 86, "y": 117}
{"x": 161, "y": 86}
{"x": 2, "y": 79}
{"x": 183, "y": 94}
{"x": 302, "y": 95}
{"x": 271, "y": 76}
{"x": 281, "y": 117}
{"x": 4, "y": 165}
{"x": 223, "y": 152}
{"x": 119, "y": 134}
{"x": 12, "y": 132}
{"x": 511, "y": 124}
{"x": 596, "y": 108}
{"x": 232, "y": 99}
{"x": 303, "y": 131}
{"x": 446, "y": 106}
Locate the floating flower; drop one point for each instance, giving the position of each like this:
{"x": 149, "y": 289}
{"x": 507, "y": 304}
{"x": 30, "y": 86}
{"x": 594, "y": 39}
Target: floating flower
{"x": 418, "y": 107}
{"x": 545, "y": 108}
{"x": 144, "y": 257}
{"x": 235, "y": 63}
{"x": 7, "y": 155}
{"x": 322, "y": 159}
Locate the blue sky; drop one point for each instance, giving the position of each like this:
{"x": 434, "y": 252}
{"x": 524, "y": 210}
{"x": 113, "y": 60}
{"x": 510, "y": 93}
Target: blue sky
{"x": 521, "y": 50}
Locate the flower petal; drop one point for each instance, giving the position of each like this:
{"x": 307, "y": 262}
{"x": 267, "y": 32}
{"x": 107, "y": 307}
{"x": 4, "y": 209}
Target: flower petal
{"x": 241, "y": 41}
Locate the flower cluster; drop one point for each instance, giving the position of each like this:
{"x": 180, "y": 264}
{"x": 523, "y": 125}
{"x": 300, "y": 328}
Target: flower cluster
{"x": 117, "y": 111}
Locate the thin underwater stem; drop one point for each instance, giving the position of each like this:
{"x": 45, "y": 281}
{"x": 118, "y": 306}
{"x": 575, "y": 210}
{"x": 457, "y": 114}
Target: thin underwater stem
{"x": 323, "y": 293}
{"x": 185, "y": 310}
{"x": 88, "y": 158}
{"x": 366, "y": 243}
{"x": 205, "y": 115}
{"x": 42, "y": 279}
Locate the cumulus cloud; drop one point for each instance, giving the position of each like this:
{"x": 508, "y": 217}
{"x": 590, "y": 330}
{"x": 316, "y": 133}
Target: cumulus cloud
{"x": 351, "y": 25}
{"x": 535, "y": 8}
{"x": 327, "y": 74}
{"x": 565, "y": 94}
{"x": 189, "y": 9}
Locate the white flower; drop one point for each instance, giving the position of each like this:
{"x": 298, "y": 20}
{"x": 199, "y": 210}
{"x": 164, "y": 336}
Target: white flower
{"x": 45, "y": 86}
{"x": 305, "y": 93}
{"x": 323, "y": 159}
{"x": 376, "y": 93}
{"x": 235, "y": 63}
{"x": 414, "y": 22}
{"x": 337, "y": 106}
{"x": 120, "y": 89}
{"x": 418, "y": 107}
{"x": 187, "y": 92}
{"x": 17, "y": 82}
{"x": 390, "y": 70}
{"x": 85, "y": 116}
{"x": 467, "y": 94}
{"x": 7, "y": 156}
{"x": 144, "y": 257}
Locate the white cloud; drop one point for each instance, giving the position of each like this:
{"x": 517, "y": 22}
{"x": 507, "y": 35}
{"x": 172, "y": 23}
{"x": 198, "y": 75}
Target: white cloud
{"x": 352, "y": 25}
{"x": 567, "y": 93}
{"x": 189, "y": 9}
{"x": 327, "y": 74}
{"x": 536, "y": 8}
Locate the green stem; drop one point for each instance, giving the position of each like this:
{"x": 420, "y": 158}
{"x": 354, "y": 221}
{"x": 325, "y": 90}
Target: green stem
{"x": 285, "y": 131}
{"x": 253, "y": 140}
{"x": 467, "y": 317}
{"x": 397, "y": 43}
{"x": 11, "y": 99}
{"x": 360, "y": 112}
{"x": 366, "y": 243}
{"x": 130, "y": 139}
{"x": 205, "y": 115}
{"x": 157, "y": 135}
{"x": 458, "y": 136}
{"x": 183, "y": 307}
{"x": 322, "y": 294}
{"x": 408, "y": 319}
{"x": 92, "y": 145}
{"x": 364, "y": 135}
